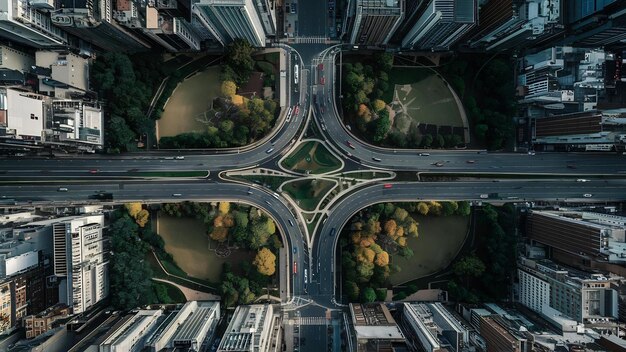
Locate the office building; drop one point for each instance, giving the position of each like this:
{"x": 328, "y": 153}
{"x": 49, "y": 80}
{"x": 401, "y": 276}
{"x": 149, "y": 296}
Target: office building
{"x": 499, "y": 339}
{"x": 432, "y": 328}
{"x": 595, "y": 23}
{"x": 267, "y": 13}
{"x": 587, "y": 298}
{"x": 581, "y": 233}
{"x": 92, "y": 21}
{"x": 228, "y": 20}
{"x": 80, "y": 261}
{"x": 192, "y": 328}
{"x": 173, "y": 33}
{"x": 44, "y": 321}
{"x": 129, "y": 335}
{"x": 61, "y": 74}
{"x": 16, "y": 60}
{"x": 441, "y": 25}
{"x": 26, "y": 22}
{"x": 374, "y": 328}
{"x": 21, "y": 116}
{"x": 507, "y": 24}
{"x": 250, "y": 329}
{"x": 375, "y": 21}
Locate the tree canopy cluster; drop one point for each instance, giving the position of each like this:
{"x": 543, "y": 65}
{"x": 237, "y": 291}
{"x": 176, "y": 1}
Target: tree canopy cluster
{"x": 363, "y": 89}
{"x": 495, "y": 246}
{"x": 236, "y": 290}
{"x": 489, "y": 101}
{"x": 374, "y": 233}
{"x": 126, "y": 87}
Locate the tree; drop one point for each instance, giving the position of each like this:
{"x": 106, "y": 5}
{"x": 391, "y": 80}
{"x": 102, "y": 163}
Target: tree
{"x": 378, "y": 105}
{"x": 224, "y": 208}
{"x": 239, "y": 59}
{"x": 229, "y": 89}
{"x": 142, "y": 217}
{"x": 469, "y": 266}
{"x": 422, "y": 208}
{"x": 390, "y": 227}
{"x": 219, "y": 234}
{"x": 368, "y": 295}
{"x": 352, "y": 289}
{"x": 382, "y": 259}
{"x": 133, "y": 209}
{"x": 381, "y": 294}
{"x": 400, "y": 214}
{"x": 119, "y": 135}
{"x": 381, "y": 126}
{"x": 449, "y": 208}
{"x": 427, "y": 141}
{"x": 464, "y": 208}
{"x": 480, "y": 130}
{"x": 265, "y": 262}
{"x": 440, "y": 141}
{"x": 405, "y": 252}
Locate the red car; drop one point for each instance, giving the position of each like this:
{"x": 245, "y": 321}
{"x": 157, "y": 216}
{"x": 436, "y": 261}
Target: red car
{"x": 387, "y": 185}
{"x": 322, "y": 80}
{"x": 296, "y": 110}
{"x": 295, "y": 268}
{"x": 320, "y": 67}
{"x": 93, "y": 171}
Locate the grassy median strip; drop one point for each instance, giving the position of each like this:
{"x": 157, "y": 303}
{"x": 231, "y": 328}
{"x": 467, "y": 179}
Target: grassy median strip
{"x": 170, "y": 174}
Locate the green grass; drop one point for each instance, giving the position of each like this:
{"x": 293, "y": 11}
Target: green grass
{"x": 173, "y": 292}
{"x": 308, "y": 193}
{"x": 404, "y": 75}
{"x": 171, "y": 174}
{"x": 157, "y": 272}
{"x": 272, "y": 182}
{"x": 367, "y": 175}
{"x": 311, "y": 226}
{"x": 320, "y": 162}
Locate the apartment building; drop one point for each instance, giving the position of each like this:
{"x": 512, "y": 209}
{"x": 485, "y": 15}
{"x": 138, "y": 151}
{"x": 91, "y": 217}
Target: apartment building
{"x": 231, "y": 19}
{"x": 375, "y": 21}
{"x": 28, "y": 22}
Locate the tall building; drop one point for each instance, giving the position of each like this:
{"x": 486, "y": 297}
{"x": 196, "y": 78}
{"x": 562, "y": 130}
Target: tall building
{"x": 587, "y": 298}
{"x": 375, "y": 328}
{"x": 37, "y": 324}
{"x": 430, "y": 327}
{"x": 375, "y": 21}
{"x": 582, "y": 233}
{"x": 506, "y": 24}
{"x": 80, "y": 261}
{"x": 26, "y": 22}
{"x": 250, "y": 329}
{"x": 267, "y": 13}
{"x": 441, "y": 25}
{"x": 499, "y": 339}
{"x": 228, "y": 20}
{"x": 596, "y": 23}
{"x": 92, "y": 21}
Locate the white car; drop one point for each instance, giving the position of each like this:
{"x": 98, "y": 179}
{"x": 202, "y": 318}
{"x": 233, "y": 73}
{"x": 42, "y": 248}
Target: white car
{"x": 587, "y": 195}
{"x": 180, "y": 157}
{"x": 582, "y": 180}
{"x": 424, "y": 154}
{"x": 531, "y": 152}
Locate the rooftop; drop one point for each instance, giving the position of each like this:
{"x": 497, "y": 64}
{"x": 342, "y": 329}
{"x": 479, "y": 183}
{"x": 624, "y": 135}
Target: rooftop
{"x": 373, "y": 321}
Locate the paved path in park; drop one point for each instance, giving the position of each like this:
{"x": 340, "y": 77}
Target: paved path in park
{"x": 191, "y": 295}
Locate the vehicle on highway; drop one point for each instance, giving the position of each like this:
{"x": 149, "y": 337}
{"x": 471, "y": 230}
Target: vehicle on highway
{"x": 484, "y": 196}
{"x": 582, "y": 180}
{"x": 306, "y": 278}
{"x": 270, "y": 150}
{"x": 376, "y": 159}
{"x": 249, "y": 191}
{"x": 333, "y": 232}
{"x": 293, "y": 8}
{"x": 438, "y": 164}
{"x": 470, "y": 161}
{"x": 20, "y": 154}
{"x": 295, "y": 268}
{"x": 424, "y": 154}
{"x": 62, "y": 189}
{"x": 350, "y": 144}
{"x": 176, "y": 195}
{"x": 320, "y": 67}
{"x": 180, "y": 157}
{"x": 322, "y": 80}
{"x": 387, "y": 185}
{"x": 571, "y": 166}
{"x": 268, "y": 203}
{"x": 296, "y": 110}
{"x": 275, "y": 195}
{"x": 295, "y": 74}
{"x": 587, "y": 195}
{"x": 295, "y": 250}
{"x": 93, "y": 171}
{"x": 532, "y": 152}
{"x": 349, "y": 154}
{"x": 290, "y": 222}
{"x": 322, "y": 109}
{"x": 102, "y": 196}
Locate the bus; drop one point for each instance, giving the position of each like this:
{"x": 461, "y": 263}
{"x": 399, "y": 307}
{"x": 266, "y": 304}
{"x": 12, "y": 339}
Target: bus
{"x": 295, "y": 74}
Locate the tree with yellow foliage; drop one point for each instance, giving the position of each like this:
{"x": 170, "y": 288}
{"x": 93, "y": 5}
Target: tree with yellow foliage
{"x": 378, "y": 105}
{"x": 434, "y": 207}
{"x": 133, "y": 209}
{"x": 390, "y": 227}
{"x": 265, "y": 262}
{"x": 382, "y": 259}
{"x": 229, "y": 89}
{"x": 401, "y": 241}
{"x": 423, "y": 208}
{"x": 413, "y": 229}
{"x": 142, "y": 217}
{"x": 224, "y": 208}
{"x": 219, "y": 234}
{"x": 365, "y": 255}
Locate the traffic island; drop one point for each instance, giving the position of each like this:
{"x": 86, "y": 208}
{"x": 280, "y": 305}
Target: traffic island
{"x": 311, "y": 157}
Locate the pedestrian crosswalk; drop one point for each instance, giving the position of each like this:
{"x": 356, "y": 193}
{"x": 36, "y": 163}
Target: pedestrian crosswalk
{"x": 311, "y": 321}
{"x": 310, "y": 40}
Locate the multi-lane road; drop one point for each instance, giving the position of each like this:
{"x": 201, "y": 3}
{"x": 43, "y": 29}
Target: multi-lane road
{"x": 82, "y": 176}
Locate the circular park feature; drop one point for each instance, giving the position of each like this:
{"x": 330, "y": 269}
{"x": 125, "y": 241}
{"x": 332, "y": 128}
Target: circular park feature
{"x": 311, "y": 157}
{"x": 308, "y": 193}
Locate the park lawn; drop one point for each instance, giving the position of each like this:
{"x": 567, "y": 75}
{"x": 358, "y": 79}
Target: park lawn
{"x": 187, "y": 106}
{"x": 439, "y": 240}
{"x": 188, "y": 243}
{"x": 308, "y": 193}
{"x": 429, "y": 101}
{"x": 311, "y": 156}
{"x": 175, "y": 294}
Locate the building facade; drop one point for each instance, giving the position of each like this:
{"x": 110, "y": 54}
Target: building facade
{"x": 228, "y": 20}
{"x": 375, "y": 21}
{"x": 250, "y": 329}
